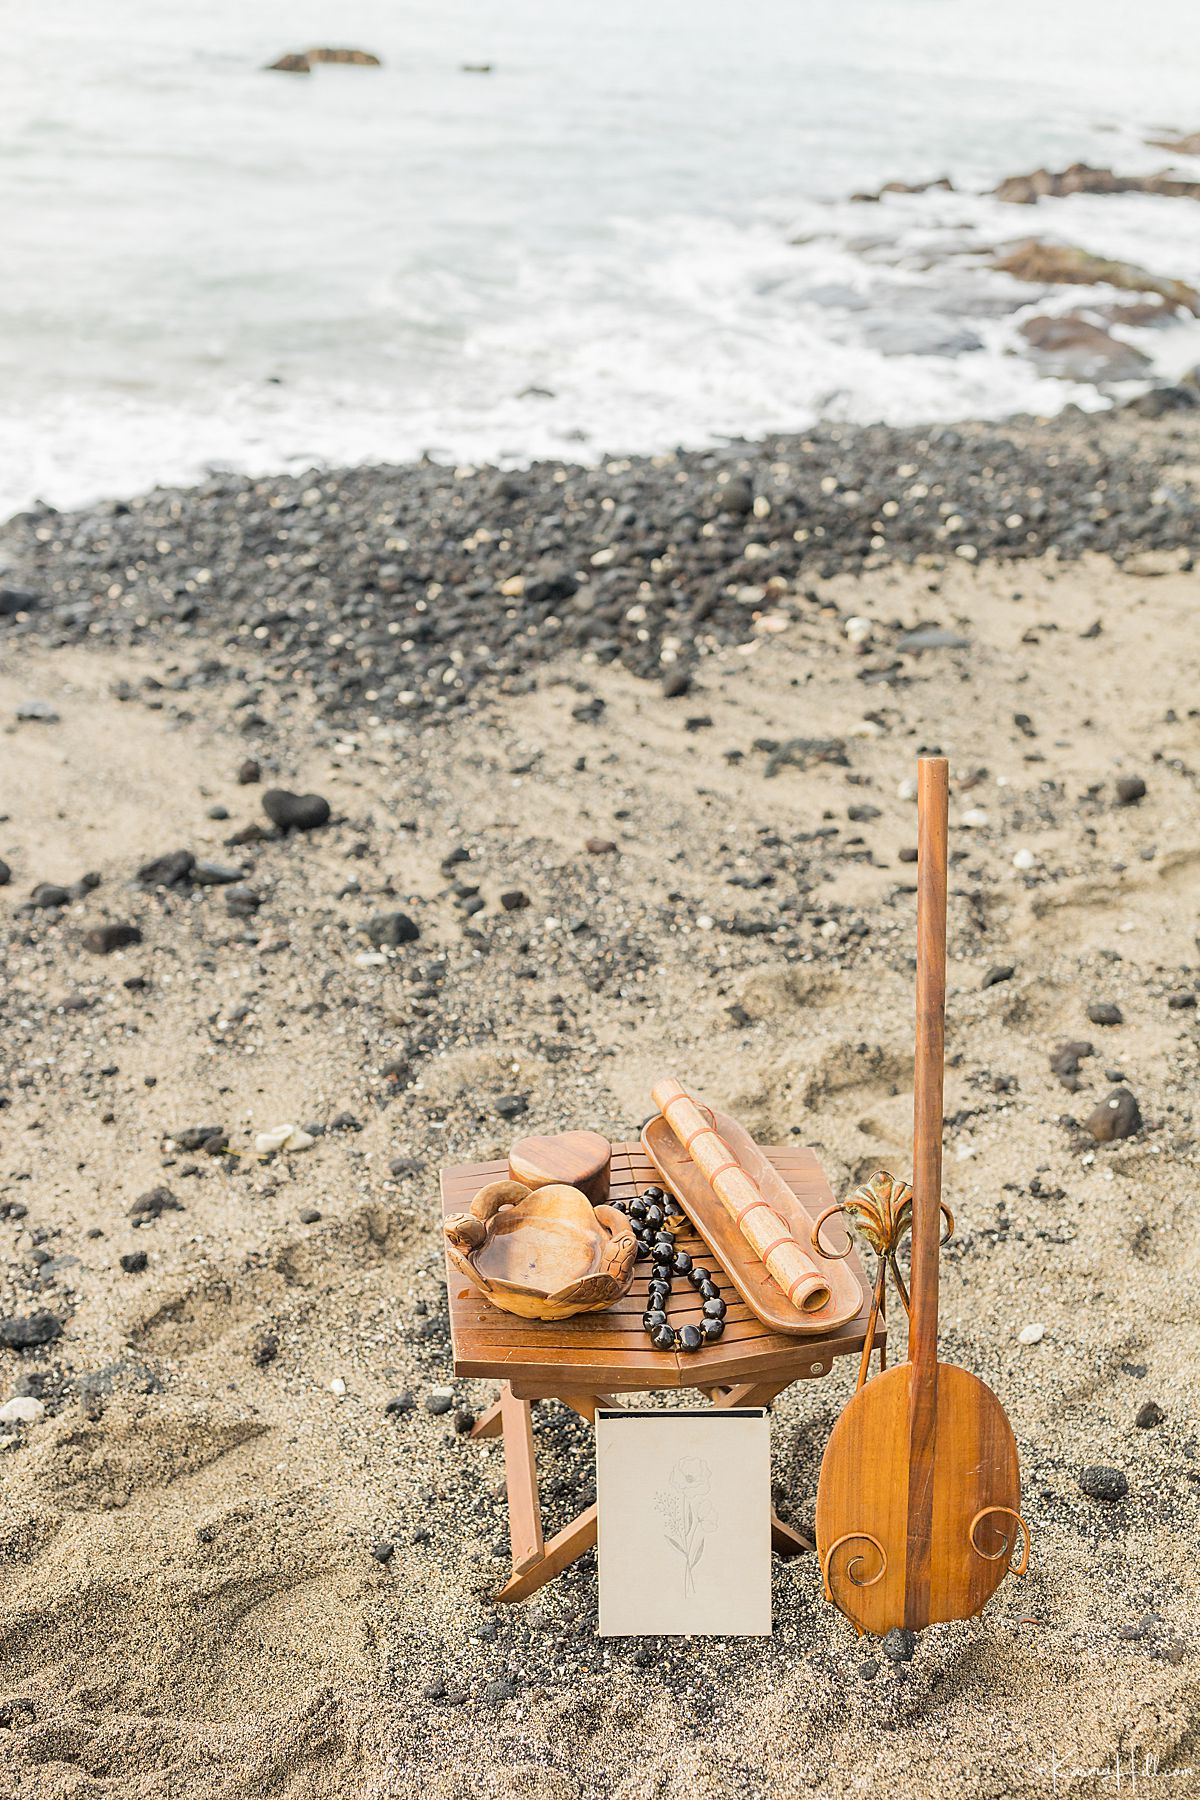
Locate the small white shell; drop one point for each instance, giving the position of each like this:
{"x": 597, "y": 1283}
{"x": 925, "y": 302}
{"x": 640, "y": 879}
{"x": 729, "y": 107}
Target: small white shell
{"x": 282, "y": 1137}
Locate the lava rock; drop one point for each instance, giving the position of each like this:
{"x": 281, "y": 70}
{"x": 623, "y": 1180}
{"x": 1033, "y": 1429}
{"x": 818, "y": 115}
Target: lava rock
{"x": 295, "y": 812}
{"x": 1101, "y": 1483}
{"x": 736, "y": 497}
{"x": 47, "y": 896}
{"x": 5, "y": 873}
{"x": 997, "y": 973}
{"x": 1104, "y": 1012}
{"x": 134, "y": 1261}
{"x": 399, "y": 1404}
{"x": 30, "y": 1331}
{"x": 383, "y": 1552}
{"x": 243, "y": 902}
{"x": 171, "y": 870}
{"x": 195, "y": 1137}
{"x": 1130, "y": 789}
{"x": 514, "y": 900}
{"x": 17, "y": 600}
{"x": 511, "y": 1106}
{"x": 102, "y": 940}
{"x": 1065, "y": 1061}
{"x": 900, "y": 1644}
{"x": 391, "y": 929}
{"x": 1149, "y": 1414}
{"x": 264, "y": 1350}
{"x": 249, "y": 772}
{"x": 439, "y": 1401}
{"x": 1118, "y": 1116}
{"x": 1183, "y": 1000}
{"x": 153, "y": 1203}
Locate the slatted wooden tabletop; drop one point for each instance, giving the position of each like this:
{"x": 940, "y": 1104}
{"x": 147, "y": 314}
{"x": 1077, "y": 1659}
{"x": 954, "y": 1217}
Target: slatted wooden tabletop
{"x": 609, "y": 1351}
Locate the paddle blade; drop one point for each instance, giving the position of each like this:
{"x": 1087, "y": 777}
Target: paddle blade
{"x": 891, "y": 1555}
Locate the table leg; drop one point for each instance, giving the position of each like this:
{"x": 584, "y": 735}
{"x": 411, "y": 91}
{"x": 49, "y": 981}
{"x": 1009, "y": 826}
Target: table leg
{"x": 749, "y": 1393}
{"x": 490, "y": 1424}
{"x": 520, "y": 1468}
{"x": 562, "y": 1550}
{"x": 785, "y": 1539}
{"x": 585, "y": 1404}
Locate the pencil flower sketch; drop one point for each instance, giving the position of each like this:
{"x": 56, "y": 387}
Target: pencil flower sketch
{"x": 688, "y": 1513}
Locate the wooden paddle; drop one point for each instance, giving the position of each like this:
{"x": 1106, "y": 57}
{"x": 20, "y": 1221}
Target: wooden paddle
{"x": 918, "y": 1502}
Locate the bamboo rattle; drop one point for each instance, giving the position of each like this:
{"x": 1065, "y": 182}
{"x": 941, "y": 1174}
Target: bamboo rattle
{"x": 761, "y": 1226}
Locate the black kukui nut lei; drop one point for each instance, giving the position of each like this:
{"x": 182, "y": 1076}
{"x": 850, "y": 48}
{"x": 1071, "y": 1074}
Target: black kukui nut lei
{"x": 650, "y": 1216}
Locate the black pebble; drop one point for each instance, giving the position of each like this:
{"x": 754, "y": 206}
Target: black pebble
{"x": 1130, "y": 789}
{"x": 653, "y": 1193}
{"x": 681, "y": 1262}
{"x": 295, "y": 812}
{"x": 387, "y": 931}
{"x": 662, "y": 1253}
{"x": 714, "y": 1309}
{"x": 384, "y": 1552}
{"x": 708, "y": 1290}
{"x": 102, "y": 940}
{"x": 663, "y": 1337}
{"x": 654, "y": 1318}
{"x": 637, "y": 1209}
{"x": 900, "y": 1644}
{"x": 134, "y": 1261}
{"x": 34, "y": 1328}
{"x": 712, "y": 1329}
{"x": 643, "y": 1251}
{"x": 690, "y": 1338}
{"x": 654, "y": 1216}
{"x": 1101, "y": 1483}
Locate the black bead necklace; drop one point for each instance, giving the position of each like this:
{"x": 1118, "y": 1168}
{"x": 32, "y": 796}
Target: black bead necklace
{"x": 651, "y": 1217}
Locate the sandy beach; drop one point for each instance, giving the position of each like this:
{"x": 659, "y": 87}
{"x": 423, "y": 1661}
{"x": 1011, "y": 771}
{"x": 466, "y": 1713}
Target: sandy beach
{"x": 676, "y": 705}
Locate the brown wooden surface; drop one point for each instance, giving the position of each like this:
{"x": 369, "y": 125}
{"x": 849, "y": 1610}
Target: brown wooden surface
{"x": 609, "y": 1352}
{"x": 866, "y": 1488}
{"x": 924, "y": 1449}
{"x": 578, "y": 1158}
{"x": 801, "y": 1199}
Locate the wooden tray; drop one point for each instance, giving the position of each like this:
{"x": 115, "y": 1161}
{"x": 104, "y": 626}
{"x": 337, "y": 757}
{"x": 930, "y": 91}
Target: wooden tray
{"x": 800, "y": 1209}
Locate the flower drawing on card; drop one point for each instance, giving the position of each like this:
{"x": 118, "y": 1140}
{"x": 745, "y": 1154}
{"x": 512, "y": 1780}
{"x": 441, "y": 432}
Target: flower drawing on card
{"x": 688, "y": 1513}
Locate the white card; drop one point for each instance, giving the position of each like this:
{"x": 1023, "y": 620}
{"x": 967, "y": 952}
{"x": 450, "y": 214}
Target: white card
{"x": 684, "y": 1538}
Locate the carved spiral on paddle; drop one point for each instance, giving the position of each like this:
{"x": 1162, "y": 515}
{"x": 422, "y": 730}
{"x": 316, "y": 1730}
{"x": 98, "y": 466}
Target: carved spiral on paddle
{"x": 1008, "y": 1543}
{"x": 853, "y": 1537}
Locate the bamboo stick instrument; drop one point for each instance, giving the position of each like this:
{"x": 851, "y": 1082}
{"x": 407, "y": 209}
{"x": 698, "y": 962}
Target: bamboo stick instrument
{"x": 783, "y": 1256}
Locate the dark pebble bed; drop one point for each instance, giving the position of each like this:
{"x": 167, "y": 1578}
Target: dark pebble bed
{"x": 402, "y": 593}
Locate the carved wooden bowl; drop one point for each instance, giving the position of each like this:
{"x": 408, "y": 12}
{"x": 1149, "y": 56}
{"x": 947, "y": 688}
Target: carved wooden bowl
{"x": 543, "y": 1253}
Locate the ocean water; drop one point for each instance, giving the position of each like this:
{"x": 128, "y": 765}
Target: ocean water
{"x": 636, "y": 232}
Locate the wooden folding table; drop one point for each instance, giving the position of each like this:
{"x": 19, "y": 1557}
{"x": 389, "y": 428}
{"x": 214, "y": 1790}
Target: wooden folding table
{"x": 587, "y": 1361}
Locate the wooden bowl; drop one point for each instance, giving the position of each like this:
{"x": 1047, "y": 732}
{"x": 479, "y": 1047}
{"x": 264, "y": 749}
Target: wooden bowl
{"x": 542, "y": 1253}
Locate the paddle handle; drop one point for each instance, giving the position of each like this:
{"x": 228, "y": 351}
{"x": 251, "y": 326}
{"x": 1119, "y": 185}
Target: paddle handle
{"x": 933, "y": 782}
